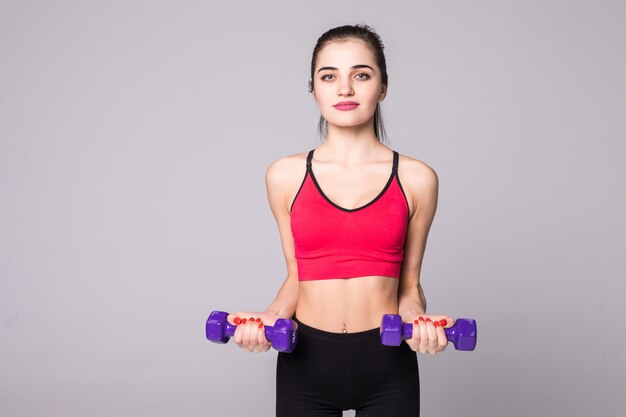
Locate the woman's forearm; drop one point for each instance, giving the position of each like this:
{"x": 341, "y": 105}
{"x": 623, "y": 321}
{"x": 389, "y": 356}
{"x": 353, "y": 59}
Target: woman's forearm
{"x": 411, "y": 301}
{"x": 284, "y": 305}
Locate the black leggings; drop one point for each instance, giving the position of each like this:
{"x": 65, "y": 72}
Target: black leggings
{"x": 330, "y": 372}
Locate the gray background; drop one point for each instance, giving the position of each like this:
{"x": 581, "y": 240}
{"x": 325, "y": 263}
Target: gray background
{"x": 134, "y": 140}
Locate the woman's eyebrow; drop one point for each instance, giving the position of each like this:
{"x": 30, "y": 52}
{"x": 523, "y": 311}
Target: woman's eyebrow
{"x": 352, "y": 67}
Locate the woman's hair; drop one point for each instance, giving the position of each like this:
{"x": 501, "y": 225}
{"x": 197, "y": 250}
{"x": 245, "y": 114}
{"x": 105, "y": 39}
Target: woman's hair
{"x": 350, "y": 32}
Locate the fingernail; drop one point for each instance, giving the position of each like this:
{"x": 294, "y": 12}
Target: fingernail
{"x": 258, "y": 320}
{"x": 260, "y": 325}
{"x": 436, "y": 324}
{"x": 428, "y": 319}
{"x": 443, "y": 322}
{"x": 243, "y": 321}
{"x": 251, "y": 318}
{"x": 237, "y": 320}
{"x": 421, "y": 318}
{"x": 416, "y": 321}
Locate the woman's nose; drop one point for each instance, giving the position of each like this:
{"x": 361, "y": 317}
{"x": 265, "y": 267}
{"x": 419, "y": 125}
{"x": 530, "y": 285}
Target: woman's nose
{"x": 345, "y": 87}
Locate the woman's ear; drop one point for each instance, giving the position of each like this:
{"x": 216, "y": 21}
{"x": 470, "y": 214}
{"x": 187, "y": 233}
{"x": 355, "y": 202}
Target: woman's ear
{"x": 383, "y": 93}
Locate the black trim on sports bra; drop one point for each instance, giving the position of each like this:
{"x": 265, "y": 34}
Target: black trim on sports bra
{"x": 396, "y": 157}
{"x": 308, "y": 165}
{"x": 394, "y": 171}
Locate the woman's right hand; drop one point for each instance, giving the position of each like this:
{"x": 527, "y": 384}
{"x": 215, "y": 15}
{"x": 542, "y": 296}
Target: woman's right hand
{"x": 250, "y": 332}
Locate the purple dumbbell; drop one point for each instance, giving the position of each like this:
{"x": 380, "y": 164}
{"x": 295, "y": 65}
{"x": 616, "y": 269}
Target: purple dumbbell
{"x": 393, "y": 331}
{"x": 283, "y": 335}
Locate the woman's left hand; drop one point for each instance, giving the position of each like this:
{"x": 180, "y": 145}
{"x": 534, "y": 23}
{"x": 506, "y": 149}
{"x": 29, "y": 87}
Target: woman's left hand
{"x": 428, "y": 334}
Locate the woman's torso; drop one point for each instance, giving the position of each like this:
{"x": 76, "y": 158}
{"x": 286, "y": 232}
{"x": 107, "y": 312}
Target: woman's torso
{"x": 354, "y": 304}
{"x": 357, "y": 303}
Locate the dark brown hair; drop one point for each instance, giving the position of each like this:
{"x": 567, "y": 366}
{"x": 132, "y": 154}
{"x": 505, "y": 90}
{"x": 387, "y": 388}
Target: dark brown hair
{"x": 349, "y": 32}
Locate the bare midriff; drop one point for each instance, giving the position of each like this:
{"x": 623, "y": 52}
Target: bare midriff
{"x": 347, "y": 305}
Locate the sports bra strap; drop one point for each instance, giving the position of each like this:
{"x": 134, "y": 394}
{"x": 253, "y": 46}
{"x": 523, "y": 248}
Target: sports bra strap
{"x": 308, "y": 159}
{"x": 395, "y": 161}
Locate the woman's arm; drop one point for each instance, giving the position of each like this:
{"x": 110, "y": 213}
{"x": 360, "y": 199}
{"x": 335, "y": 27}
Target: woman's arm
{"x": 281, "y": 179}
{"x": 284, "y": 305}
{"x": 423, "y": 185}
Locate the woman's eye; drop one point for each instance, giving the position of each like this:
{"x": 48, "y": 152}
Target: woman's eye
{"x": 366, "y": 75}
{"x": 324, "y": 76}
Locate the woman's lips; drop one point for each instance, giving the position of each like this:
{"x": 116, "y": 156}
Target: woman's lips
{"x": 347, "y": 106}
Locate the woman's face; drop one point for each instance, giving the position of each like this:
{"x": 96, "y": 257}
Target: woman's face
{"x": 347, "y": 71}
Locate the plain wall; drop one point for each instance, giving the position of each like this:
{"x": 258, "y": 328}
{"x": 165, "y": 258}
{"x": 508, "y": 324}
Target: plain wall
{"x": 134, "y": 138}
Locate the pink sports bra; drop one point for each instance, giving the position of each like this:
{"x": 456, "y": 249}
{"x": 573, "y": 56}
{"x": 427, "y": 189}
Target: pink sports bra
{"x": 334, "y": 242}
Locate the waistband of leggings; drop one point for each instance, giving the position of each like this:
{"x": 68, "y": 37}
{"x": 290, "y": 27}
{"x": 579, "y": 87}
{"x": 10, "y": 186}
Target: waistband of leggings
{"x": 322, "y": 334}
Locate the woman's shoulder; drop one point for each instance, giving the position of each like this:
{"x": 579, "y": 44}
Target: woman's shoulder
{"x": 286, "y": 169}
{"x": 414, "y": 166}
{"x": 416, "y": 173}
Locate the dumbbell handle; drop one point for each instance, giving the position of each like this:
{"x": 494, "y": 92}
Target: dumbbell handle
{"x": 229, "y": 330}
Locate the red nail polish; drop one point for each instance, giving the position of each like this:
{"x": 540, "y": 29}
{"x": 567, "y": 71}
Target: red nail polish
{"x": 251, "y": 318}
{"x": 428, "y": 319}
{"x": 436, "y": 324}
{"x": 260, "y": 325}
{"x": 258, "y": 320}
{"x": 421, "y": 318}
{"x": 416, "y": 321}
{"x": 237, "y": 320}
{"x": 243, "y": 321}
{"x": 443, "y": 322}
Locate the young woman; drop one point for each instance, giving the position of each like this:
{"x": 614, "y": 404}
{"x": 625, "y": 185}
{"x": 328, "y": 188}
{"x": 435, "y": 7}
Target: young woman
{"x": 353, "y": 217}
